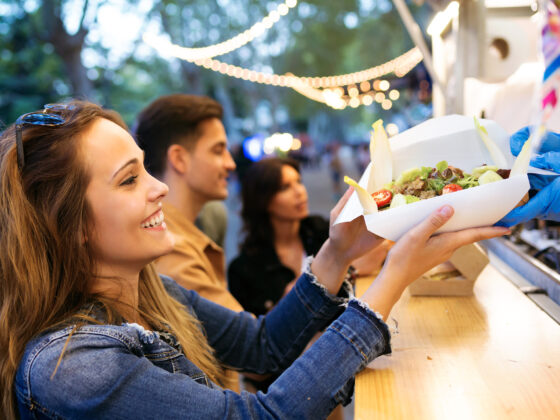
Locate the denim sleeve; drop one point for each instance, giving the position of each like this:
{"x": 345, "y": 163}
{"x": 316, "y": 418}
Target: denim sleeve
{"x": 104, "y": 378}
{"x": 270, "y": 343}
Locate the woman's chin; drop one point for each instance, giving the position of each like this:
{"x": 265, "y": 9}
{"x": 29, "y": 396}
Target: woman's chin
{"x": 163, "y": 249}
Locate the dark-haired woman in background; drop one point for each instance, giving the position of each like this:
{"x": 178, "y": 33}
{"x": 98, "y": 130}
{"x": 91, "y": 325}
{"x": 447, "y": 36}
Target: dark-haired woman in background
{"x": 279, "y": 235}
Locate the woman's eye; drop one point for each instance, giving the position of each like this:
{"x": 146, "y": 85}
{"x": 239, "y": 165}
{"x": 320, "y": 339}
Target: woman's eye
{"x": 130, "y": 180}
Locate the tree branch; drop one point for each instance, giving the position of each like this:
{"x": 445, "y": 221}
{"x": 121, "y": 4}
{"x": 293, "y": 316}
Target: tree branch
{"x": 84, "y": 11}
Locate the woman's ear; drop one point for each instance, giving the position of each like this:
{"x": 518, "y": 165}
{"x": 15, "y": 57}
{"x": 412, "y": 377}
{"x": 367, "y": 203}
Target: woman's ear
{"x": 177, "y": 158}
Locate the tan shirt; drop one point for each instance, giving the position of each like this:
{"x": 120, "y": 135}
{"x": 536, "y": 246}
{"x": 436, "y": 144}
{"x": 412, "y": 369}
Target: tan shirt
{"x": 198, "y": 264}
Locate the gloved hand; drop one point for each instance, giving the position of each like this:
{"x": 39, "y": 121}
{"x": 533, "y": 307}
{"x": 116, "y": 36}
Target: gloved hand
{"x": 549, "y": 150}
{"x": 546, "y": 204}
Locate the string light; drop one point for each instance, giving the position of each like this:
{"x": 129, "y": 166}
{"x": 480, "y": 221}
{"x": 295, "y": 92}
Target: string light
{"x": 367, "y": 100}
{"x": 384, "y": 85}
{"x": 337, "y": 99}
{"x": 329, "y": 90}
{"x": 386, "y": 104}
{"x": 392, "y": 129}
{"x": 400, "y": 66}
{"x": 193, "y": 54}
{"x": 333, "y": 97}
{"x": 379, "y": 97}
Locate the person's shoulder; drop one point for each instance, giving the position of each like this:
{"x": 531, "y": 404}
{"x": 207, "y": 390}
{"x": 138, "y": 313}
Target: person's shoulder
{"x": 256, "y": 257}
{"x": 246, "y": 268}
{"x": 314, "y": 231}
{"x": 72, "y": 361}
{"x": 241, "y": 263}
{"x": 316, "y": 220}
{"x": 315, "y": 223}
{"x": 52, "y": 342}
{"x": 186, "y": 249}
{"x": 80, "y": 349}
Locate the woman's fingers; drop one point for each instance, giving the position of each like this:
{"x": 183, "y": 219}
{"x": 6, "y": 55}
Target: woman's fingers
{"x": 468, "y": 236}
{"x": 432, "y": 223}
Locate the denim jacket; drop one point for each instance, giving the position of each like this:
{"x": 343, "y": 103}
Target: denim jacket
{"x": 124, "y": 371}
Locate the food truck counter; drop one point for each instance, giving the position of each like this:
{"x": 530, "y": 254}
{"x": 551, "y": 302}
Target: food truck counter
{"x": 493, "y": 355}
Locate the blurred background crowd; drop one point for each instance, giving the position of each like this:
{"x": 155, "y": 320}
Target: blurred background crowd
{"x": 405, "y": 62}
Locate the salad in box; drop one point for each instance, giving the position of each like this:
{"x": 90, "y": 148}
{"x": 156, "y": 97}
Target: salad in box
{"x": 451, "y": 160}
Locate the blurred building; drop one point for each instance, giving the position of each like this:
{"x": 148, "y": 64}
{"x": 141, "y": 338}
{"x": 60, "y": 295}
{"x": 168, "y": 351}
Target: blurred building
{"x": 487, "y": 56}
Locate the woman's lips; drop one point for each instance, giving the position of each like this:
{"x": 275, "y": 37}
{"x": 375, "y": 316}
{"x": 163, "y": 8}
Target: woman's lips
{"x": 302, "y": 205}
{"x": 152, "y": 215}
{"x": 155, "y": 221}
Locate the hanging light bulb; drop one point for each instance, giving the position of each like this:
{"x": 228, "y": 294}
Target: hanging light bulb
{"x": 367, "y": 100}
{"x": 386, "y": 104}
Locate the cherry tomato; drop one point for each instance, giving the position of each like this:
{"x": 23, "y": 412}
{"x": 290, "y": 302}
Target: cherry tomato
{"x": 449, "y": 188}
{"x": 382, "y": 197}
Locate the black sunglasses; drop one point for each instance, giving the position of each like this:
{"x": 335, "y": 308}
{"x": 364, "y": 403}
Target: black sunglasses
{"x": 46, "y": 118}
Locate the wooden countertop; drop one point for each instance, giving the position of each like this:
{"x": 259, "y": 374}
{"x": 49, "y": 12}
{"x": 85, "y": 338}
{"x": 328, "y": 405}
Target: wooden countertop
{"x": 494, "y": 355}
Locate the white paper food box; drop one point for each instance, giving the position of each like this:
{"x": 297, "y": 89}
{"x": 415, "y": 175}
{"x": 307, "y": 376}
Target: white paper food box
{"x": 454, "y": 139}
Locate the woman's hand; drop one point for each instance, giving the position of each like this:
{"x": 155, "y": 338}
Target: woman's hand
{"x": 417, "y": 252}
{"x": 347, "y": 241}
{"x": 351, "y": 239}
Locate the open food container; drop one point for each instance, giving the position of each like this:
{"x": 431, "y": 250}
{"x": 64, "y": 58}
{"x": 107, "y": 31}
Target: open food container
{"x": 454, "y": 139}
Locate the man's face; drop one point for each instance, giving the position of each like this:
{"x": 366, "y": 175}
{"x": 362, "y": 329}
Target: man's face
{"x": 210, "y": 162}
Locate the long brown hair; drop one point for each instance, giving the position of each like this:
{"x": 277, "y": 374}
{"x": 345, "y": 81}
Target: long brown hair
{"x": 259, "y": 186}
{"x": 45, "y": 266}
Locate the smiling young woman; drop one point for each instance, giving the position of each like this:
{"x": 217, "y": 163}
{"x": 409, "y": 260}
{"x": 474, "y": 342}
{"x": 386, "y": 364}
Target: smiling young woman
{"x": 89, "y": 330}
{"x": 70, "y": 216}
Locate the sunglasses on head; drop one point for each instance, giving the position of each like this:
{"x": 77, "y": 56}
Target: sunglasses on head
{"x": 47, "y": 118}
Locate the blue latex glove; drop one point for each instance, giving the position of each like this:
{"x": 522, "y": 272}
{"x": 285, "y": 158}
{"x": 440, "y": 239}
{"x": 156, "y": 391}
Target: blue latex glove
{"x": 546, "y": 204}
{"x": 549, "y": 150}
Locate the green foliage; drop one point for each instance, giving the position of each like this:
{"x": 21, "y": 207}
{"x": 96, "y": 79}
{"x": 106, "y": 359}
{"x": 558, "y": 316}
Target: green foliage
{"x": 316, "y": 38}
{"x": 30, "y": 74}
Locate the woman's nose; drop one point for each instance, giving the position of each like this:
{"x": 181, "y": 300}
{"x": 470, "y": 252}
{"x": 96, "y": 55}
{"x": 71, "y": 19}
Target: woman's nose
{"x": 158, "y": 189}
{"x": 301, "y": 190}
